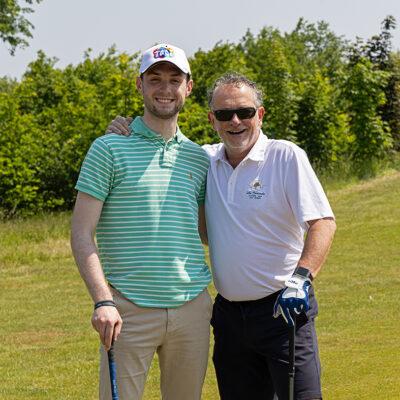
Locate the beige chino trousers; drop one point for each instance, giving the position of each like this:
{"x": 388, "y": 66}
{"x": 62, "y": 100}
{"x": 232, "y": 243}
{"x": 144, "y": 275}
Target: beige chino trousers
{"x": 180, "y": 336}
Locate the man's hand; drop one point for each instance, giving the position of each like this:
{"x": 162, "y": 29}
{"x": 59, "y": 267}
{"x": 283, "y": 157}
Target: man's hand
{"x": 107, "y": 321}
{"x": 293, "y": 299}
{"x": 120, "y": 125}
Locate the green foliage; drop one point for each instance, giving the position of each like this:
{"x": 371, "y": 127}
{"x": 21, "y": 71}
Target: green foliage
{"x": 322, "y": 127}
{"x": 193, "y": 123}
{"x": 363, "y": 90}
{"x": 313, "y": 47}
{"x": 14, "y": 27}
{"x": 206, "y": 67}
{"x": 7, "y": 85}
{"x": 378, "y": 50}
{"x": 265, "y": 54}
{"x": 19, "y": 185}
{"x": 340, "y": 102}
{"x": 391, "y": 110}
{"x": 49, "y": 121}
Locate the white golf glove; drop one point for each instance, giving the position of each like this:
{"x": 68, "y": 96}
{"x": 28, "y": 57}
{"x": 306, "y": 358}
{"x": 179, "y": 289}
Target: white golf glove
{"x": 293, "y": 299}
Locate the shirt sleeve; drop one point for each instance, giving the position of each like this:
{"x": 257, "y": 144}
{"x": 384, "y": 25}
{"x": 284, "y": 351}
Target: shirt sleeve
{"x": 305, "y": 193}
{"x": 97, "y": 171}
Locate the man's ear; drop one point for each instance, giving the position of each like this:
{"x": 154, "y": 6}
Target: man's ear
{"x": 211, "y": 118}
{"x": 189, "y": 88}
{"x": 139, "y": 84}
{"x": 260, "y": 114}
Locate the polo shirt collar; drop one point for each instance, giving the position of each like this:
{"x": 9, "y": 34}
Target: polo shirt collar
{"x": 140, "y": 128}
{"x": 256, "y": 153}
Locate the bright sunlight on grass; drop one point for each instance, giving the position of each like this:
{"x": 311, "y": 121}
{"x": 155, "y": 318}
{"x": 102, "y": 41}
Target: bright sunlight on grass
{"x": 50, "y": 351}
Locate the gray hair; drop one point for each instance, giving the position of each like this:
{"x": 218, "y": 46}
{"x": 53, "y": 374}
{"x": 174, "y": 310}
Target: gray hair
{"x": 238, "y": 81}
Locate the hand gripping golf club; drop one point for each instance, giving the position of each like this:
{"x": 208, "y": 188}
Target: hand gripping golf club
{"x": 292, "y": 344}
{"x": 113, "y": 372}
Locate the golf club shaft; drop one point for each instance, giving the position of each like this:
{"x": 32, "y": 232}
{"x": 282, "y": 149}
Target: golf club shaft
{"x": 292, "y": 344}
{"x": 113, "y": 372}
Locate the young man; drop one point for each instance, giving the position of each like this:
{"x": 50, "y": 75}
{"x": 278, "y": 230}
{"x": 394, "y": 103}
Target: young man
{"x": 141, "y": 195}
{"x": 262, "y": 196}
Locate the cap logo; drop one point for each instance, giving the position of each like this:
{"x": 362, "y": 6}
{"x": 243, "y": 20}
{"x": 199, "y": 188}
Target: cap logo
{"x": 163, "y": 52}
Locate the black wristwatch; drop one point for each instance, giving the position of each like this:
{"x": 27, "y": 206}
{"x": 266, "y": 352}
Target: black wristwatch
{"x": 304, "y": 272}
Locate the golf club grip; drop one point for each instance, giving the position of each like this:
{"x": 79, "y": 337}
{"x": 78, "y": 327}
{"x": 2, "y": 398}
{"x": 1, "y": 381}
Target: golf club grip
{"x": 113, "y": 372}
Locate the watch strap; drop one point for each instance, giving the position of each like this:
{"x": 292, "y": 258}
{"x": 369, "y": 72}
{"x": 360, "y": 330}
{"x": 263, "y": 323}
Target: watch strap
{"x": 305, "y": 272}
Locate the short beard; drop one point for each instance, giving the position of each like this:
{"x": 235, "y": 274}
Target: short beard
{"x": 165, "y": 115}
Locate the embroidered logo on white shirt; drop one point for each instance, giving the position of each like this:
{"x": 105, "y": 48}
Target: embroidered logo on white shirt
{"x": 255, "y": 190}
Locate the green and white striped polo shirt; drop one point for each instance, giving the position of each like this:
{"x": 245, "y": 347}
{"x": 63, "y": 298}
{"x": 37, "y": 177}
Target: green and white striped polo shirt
{"x": 147, "y": 233}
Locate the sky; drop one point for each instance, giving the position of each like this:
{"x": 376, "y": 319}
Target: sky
{"x": 65, "y": 29}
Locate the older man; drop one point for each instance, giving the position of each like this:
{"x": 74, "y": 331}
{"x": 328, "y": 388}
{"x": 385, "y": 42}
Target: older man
{"x": 262, "y": 196}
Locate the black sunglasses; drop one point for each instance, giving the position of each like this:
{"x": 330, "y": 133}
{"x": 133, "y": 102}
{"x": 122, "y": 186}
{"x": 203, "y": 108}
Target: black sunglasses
{"x": 242, "y": 113}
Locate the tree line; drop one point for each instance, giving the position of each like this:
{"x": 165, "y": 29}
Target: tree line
{"x": 339, "y": 101}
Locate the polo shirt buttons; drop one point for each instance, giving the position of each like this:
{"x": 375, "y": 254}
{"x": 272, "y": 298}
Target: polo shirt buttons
{"x": 167, "y": 157}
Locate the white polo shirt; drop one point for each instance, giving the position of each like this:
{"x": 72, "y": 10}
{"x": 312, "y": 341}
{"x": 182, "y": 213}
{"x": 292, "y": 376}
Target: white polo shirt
{"x": 257, "y": 215}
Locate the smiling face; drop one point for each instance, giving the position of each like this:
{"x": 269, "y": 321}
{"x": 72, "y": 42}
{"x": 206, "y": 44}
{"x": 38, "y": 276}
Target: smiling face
{"x": 239, "y": 136}
{"x": 164, "y": 88}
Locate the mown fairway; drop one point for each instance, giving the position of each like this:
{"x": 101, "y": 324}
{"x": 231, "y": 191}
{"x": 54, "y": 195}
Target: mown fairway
{"x": 49, "y": 350}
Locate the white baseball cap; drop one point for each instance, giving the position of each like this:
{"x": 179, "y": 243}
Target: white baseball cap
{"x": 164, "y": 53}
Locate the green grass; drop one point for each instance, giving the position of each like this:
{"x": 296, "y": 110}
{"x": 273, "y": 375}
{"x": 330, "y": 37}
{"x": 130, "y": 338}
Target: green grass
{"x": 50, "y": 351}
{"x": 358, "y": 291}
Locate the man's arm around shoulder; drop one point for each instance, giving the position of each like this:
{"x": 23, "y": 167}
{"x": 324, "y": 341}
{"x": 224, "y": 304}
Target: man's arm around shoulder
{"x": 105, "y": 320}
